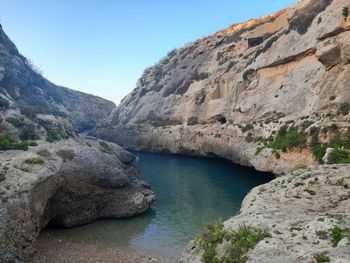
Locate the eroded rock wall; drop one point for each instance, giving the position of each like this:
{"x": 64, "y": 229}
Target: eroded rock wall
{"x": 246, "y": 81}
{"x": 67, "y": 183}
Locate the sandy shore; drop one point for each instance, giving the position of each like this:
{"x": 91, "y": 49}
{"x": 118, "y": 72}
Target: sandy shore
{"x": 55, "y": 248}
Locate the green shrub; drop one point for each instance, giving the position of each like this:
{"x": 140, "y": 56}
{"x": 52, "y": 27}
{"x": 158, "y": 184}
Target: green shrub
{"x": 338, "y": 156}
{"x": 44, "y": 153}
{"x": 7, "y": 142}
{"x": 321, "y": 257}
{"x": 306, "y": 124}
{"x": 261, "y": 190}
{"x": 54, "y": 135}
{"x": 287, "y": 139}
{"x": 247, "y": 128}
{"x": 209, "y": 254}
{"x": 28, "y": 132}
{"x": 4, "y": 104}
{"x": 105, "y": 147}
{"x": 25, "y": 167}
{"x": 319, "y": 152}
{"x": 31, "y": 143}
{"x": 3, "y": 173}
{"x": 192, "y": 121}
{"x": 338, "y": 234}
{"x": 16, "y": 122}
{"x": 66, "y": 155}
{"x": 332, "y": 97}
{"x": 344, "y": 108}
{"x": 29, "y": 112}
{"x": 249, "y": 139}
{"x": 209, "y": 239}
{"x": 241, "y": 241}
{"x": 345, "y": 12}
{"x": 258, "y": 150}
{"x": 310, "y": 192}
{"x": 33, "y": 160}
{"x": 299, "y": 184}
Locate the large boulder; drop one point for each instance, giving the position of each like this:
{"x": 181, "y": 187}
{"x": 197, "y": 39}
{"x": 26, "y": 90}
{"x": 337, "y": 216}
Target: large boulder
{"x": 66, "y": 183}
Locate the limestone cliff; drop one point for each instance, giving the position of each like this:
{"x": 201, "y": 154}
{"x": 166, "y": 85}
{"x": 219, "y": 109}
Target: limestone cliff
{"x": 47, "y": 173}
{"x": 270, "y": 93}
{"x": 23, "y": 85}
{"x": 305, "y": 216}
{"x": 66, "y": 183}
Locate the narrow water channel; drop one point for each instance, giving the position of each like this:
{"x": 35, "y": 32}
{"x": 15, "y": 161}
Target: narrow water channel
{"x": 190, "y": 191}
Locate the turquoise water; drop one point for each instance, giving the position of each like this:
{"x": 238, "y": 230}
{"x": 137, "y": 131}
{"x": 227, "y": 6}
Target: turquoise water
{"x": 191, "y": 192}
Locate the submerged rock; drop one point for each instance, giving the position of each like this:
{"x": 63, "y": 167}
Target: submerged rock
{"x": 66, "y": 183}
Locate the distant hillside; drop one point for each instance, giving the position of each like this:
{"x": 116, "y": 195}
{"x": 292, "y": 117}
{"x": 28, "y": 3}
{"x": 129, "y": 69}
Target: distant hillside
{"x": 25, "y": 89}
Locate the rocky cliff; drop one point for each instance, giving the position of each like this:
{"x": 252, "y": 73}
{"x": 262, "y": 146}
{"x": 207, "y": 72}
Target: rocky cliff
{"x": 271, "y": 93}
{"x": 302, "y": 217}
{"x": 66, "y": 183}
{"x": 23, "y": 85}
{"x": 47, "y": 173}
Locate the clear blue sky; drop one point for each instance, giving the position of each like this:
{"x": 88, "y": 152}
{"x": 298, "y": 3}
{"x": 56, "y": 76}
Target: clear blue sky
{"x": 102, "y": 47}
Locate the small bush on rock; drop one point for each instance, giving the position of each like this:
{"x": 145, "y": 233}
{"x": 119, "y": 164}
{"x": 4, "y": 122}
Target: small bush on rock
{"x": 321, "y": 257}
{"x": 339, "y": 156}
{"x": 209, "y": 239}
{"x": 287, "y": 139}
{"x": 345, "y": 12}
{"x": 28, "y": 132}
{"x": 33, "y": 160}
{"x": 338, "y": 234}
{"x": 7, "y": 142}
{"x": 29, "y": 112}
{"x": 44, "y": 153}
{"x": 66, "y": 155}
{"x": 4, "y": 104}
{"x": 105, "y": 147}
{"x": 16, "y": 122}
{"x": 241, "y": 241}
{"x": 54, "y": 135}
{"x": 344, "y": 108}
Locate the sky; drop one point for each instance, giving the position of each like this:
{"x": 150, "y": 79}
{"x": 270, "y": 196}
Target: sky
{"x": 102, "y": 46}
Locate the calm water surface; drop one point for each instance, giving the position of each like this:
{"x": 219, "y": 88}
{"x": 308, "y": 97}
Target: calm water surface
{"x": 190, "y": 191}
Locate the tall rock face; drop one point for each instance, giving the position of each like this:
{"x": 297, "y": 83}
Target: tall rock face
{"x": 66, "y": 183}
{"x": 47, "y": 173}
{"x": 248, "y": 92}
{"x": 22, "y": 83}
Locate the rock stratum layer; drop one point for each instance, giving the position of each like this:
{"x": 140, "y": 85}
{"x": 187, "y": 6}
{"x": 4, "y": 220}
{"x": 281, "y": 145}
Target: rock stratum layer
{"x": 66, "y": 183}
{"x": 237, "y": 93}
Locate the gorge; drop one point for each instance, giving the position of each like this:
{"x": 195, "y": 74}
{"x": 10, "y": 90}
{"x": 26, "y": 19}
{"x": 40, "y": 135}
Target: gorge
{"x": 191, "y": 192}
{"x": 271, "y": 94}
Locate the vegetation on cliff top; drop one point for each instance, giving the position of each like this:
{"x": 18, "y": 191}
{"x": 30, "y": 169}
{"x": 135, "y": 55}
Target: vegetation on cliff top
{"x": 295, "y": 136}
{"x": 8, "y": 142}
{"x": 237, "y": 243}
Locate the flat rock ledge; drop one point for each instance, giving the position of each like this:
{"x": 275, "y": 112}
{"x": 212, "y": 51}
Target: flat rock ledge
{"x": 67, "y": 183}
{"x": 299, "y": 211}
